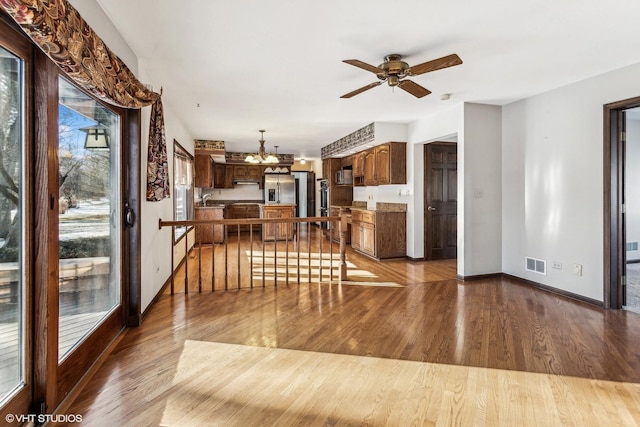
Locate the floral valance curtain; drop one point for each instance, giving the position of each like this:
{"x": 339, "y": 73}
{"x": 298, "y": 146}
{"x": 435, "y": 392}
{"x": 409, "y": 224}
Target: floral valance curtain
{"x": 157, "y": 166}
{"x": 59, "y": 30}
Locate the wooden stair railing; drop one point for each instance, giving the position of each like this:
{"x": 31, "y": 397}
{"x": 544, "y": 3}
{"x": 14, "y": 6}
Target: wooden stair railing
{"x": 313, "y": 246}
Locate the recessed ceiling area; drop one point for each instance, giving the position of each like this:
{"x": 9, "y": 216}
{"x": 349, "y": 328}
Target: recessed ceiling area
{"x": 277, "y": 65}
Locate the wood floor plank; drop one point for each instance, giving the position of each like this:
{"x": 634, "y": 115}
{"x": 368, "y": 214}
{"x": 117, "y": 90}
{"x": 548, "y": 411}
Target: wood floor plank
{"x": 431, "y": 351}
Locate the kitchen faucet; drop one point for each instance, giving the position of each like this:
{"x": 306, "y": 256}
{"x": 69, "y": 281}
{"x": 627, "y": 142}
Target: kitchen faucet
{"x": 205, "y": 198}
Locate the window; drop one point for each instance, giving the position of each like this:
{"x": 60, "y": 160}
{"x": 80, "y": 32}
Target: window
{"x": 183, "y": 187}
{"x": 12, "y": 207}
{"x": 89, "y": 215}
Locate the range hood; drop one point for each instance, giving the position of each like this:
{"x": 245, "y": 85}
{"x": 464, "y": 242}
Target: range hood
{"x": 243, "y": 181}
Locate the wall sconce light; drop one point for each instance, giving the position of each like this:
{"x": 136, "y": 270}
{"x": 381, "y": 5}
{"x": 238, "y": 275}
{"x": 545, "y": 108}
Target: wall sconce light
{"x": 97, "y": 137}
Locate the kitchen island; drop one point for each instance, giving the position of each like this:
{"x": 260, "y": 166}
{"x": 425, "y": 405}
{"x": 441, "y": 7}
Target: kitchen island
{"x": 272, "y": 232}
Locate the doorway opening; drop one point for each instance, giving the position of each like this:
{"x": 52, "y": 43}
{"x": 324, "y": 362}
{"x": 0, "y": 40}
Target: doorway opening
{"x": 622, "y": 205}
{"x": 631, "y": 287}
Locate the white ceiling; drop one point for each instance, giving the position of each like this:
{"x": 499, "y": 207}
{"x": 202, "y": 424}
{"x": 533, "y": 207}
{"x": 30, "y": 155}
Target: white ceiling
{"x": 276, "y": 64}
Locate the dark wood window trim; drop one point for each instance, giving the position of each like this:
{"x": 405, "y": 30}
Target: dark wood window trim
{"x": 16, "y": 42}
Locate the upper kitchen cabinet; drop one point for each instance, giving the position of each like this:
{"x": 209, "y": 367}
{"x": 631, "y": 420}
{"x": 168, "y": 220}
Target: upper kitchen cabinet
{"x": 386, "y": 164}
{"x": 255, "y": 172}
{"x": 220, "y": 180}
{"x": 240, "y": 171}
{"x": 203, "y": 166}
{"x": 358, "y": 168}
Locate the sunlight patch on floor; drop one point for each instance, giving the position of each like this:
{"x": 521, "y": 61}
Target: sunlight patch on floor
{"x": 227, "y": 384}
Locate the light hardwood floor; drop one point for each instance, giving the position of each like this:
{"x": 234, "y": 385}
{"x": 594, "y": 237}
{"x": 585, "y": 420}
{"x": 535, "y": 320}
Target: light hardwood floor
{"x": 424, "y": 349}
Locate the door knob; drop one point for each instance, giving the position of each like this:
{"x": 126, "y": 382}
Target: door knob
{"x": 431, "y": 208}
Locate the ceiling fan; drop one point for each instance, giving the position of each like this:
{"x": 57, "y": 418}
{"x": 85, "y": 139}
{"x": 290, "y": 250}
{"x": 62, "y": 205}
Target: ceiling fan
{"x": 394, "y": 70}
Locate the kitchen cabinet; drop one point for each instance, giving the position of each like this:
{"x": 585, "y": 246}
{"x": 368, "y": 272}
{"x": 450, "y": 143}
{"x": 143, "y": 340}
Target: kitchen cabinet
{"x": 275, "y": 231}
{"x": 386, "y": 164}
{"x": 379, "y": 234}
{"x": 240, "y": 172}
{"x": 219, "y": 180}
{"x": 207, "y": 233}
{"x": 334, "y": 230}
{"x": 243, "y": 211}
{"x": 370, "y": 168}
{"x": 358, "y": 169}
{"x": 255, "y": 172}
{"x": 347, "y": 161}
{"x": 203, "y": 168}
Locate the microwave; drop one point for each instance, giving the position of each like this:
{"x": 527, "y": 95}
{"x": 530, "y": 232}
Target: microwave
{"x": 344, "y": 176}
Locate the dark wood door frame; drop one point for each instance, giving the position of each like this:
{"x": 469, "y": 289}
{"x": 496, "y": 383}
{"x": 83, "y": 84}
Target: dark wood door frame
{"x": 614, "y": 238}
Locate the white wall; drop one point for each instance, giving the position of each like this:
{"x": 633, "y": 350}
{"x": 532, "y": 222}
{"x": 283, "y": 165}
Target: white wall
{"x": 632, "y": 186}
{"x": 156, "y": 244}
{"x": 480, "y": 190}
{"x": 552, "y": 175}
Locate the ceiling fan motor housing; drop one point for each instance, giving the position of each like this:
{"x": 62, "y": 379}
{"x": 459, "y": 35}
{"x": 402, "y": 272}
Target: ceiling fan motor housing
{"x": 394, "y": 69}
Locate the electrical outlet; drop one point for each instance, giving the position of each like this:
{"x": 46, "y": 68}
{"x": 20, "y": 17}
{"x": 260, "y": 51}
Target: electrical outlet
{"x": 557, "y": 265}
{"x": 577, "y": 269}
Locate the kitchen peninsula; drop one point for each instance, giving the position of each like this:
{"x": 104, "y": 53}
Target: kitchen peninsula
{"x": 379, "y": 233}
{"x": 272, "y": 232}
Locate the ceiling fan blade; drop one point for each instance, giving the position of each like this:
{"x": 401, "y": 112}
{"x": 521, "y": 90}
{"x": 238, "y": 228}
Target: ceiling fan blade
{"x": 436, "y": 64}
{"x": 413, "y": 88}
{"x": 363, "y": 65}
{"x": 362, "y": 89}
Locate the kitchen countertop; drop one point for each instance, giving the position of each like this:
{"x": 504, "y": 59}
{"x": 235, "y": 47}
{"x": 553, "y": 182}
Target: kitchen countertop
{"x": 383, "y": 207}
{"x": 275, "y": 205}
{"x": 208, "y": 206}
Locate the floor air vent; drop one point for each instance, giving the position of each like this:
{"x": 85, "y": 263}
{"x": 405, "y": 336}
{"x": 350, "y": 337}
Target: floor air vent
{"x": 535, "y": 265}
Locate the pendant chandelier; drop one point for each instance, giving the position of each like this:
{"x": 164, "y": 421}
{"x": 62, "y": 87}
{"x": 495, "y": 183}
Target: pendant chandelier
{"x": 261, "y": 156}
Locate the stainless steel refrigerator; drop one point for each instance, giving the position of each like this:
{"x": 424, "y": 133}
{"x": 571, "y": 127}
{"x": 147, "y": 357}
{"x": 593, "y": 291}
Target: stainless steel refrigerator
{"x": 279, "y": 188}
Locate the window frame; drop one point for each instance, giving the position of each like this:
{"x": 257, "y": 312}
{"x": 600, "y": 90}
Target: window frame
{"x": 179, "y": 152}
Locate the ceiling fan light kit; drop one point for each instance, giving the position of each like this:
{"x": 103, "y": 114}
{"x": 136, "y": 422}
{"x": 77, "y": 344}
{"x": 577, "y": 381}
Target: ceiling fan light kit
{"x": 394, "y": 70}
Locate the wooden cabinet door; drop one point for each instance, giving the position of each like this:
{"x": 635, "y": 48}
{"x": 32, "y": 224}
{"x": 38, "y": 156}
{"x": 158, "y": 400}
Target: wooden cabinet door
{"x": 285, "y": 231}
{"x": 383, "y": 162}
{"x": 269, "y": 230}
{"x": 218, "y": 175}
{"x": 370, "y": 167}
{"x": 228, "y": 176}
{"x": 356, "y": 232}
{"x": 203, "y": 232}
{"x": 368, "y": 238}
{"x": 240, "y": 172}
{"x": 203, "y": 172}
{"x": 254, "y": 172}
{"x": 358, "y": 164}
